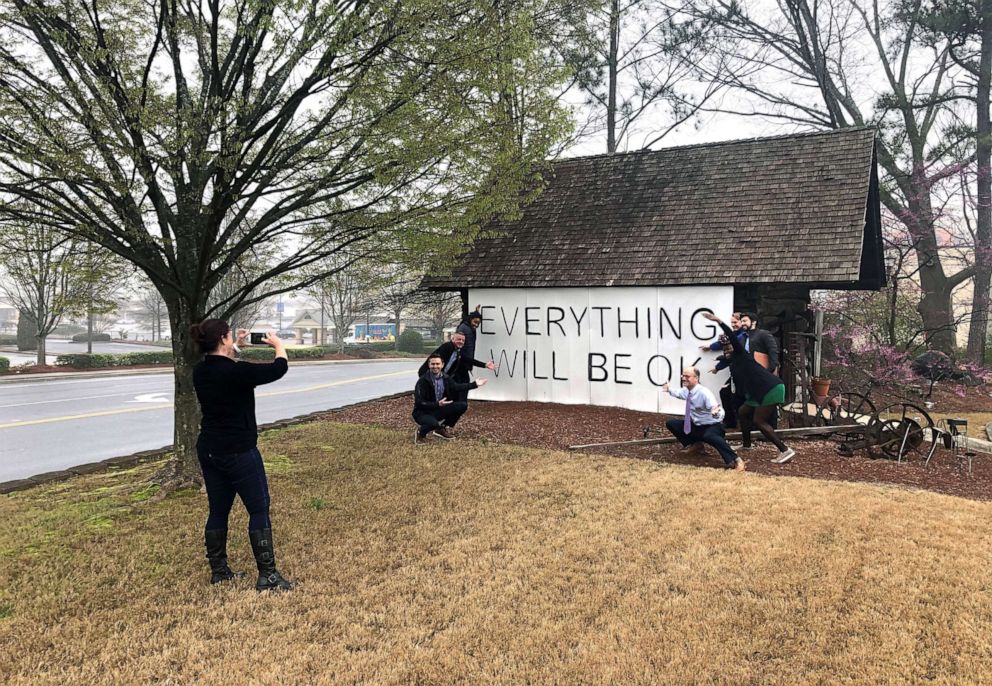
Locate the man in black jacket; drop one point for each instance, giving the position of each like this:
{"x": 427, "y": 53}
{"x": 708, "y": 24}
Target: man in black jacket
{"x": 455, "y": 363}
{"x": 761, "y": 343}
{"x": 433, "y": 403}
{"x": 468, "y": 327}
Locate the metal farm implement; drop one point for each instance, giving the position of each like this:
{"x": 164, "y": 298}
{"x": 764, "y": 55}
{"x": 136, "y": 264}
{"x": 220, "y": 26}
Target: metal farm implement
{"x": 898, "y": 431}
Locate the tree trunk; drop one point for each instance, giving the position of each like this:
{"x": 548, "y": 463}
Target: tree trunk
{"x": 935, "y": 306}
{"x": 978, "y": 332}
{"x": 89, "y": 328}
{"x": 41, "y": 350}
{"x": 611, "y": 85}
{"x": 184, "y": 469}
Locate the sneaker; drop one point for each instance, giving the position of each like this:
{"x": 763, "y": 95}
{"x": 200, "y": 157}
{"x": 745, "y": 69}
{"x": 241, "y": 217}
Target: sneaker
{"x": 785, "y": 456}
{"x": 739, "y": 465}
{"x": 418, "y": 439}
{"x": 444, "y": 432}
{"x": 737, "y": 445}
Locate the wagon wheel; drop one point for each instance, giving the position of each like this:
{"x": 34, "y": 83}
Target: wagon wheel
{"x": 903, "y": 431}
{"x": 847, "y": 408}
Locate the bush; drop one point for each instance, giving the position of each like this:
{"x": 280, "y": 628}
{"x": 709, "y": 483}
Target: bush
{"x": 267, "y": 353}
{"x": 4, "y": 364}
{"x": 410, "y": 342}
{"x": 8, "y": 339}
{"x": 85, "y": 360}
{"x": 145, "y": 357}
{"x": 104, "y": 360}
{"x": 26, "y": 330}
{"x": 81, "y": 337}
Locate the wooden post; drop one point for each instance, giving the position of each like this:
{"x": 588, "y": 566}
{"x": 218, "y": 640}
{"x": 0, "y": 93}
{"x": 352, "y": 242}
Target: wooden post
{"x": 803, "y": 375}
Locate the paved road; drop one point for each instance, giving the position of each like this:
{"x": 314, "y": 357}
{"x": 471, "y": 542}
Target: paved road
{"x": 47, "y": 425}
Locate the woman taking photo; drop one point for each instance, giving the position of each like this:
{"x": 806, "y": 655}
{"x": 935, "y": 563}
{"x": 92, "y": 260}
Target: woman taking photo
{"x": 226, "y": 447}
{"x": 763, "y": 391}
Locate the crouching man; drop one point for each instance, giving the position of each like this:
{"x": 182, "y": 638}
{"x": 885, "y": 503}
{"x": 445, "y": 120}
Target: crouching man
{"x": 703, "y": 419}
{"x": 433, "y": 409}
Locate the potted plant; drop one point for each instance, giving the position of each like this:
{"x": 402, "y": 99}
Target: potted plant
{"x": 821, "y": 386}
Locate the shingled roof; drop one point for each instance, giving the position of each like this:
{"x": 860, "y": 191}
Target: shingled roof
{"x": 790, "y": 209}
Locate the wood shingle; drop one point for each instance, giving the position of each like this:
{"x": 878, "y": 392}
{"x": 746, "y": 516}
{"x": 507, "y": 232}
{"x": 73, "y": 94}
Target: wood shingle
{"x": 792, "y": 209}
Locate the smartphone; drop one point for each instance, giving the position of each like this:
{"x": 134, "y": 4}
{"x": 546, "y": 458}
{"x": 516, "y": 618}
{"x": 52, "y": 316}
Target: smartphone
{"x": 256, "y": 337}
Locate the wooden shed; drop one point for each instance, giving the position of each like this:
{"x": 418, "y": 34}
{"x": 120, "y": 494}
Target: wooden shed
{"x": 773, "y": 218}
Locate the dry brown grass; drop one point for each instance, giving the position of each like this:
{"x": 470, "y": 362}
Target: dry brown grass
{"x": 480, "y": 564}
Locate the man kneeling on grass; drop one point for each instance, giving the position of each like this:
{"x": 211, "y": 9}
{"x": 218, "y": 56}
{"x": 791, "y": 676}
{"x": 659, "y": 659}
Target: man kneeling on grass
{"x": 703, "y": 419}
{"x": 433, "y": 408}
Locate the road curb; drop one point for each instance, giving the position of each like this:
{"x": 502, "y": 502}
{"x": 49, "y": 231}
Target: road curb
{"x": 134, "y": 459}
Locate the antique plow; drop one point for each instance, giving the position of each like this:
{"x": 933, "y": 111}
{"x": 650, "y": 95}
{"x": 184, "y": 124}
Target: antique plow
{"x": 897, "y": 432}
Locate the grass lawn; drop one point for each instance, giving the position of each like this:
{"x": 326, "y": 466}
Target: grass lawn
{"x": 485, "y": 564}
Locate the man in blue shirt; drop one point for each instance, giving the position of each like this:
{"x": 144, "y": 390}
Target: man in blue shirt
{"x": 702, "y": 422}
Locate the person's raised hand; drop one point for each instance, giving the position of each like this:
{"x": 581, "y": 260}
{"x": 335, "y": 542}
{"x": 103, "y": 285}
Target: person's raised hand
{"x": 490, "y": 365}
{"x": 481, "y": 382}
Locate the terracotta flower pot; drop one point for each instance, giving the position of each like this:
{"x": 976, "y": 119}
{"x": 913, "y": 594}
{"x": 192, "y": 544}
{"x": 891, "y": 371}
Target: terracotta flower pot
{"x": 821, "y": 387}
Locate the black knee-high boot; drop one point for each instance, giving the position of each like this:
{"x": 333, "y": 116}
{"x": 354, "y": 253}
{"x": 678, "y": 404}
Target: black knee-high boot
{"x": 269, "y": 579}
{"x": 216, "y": 543}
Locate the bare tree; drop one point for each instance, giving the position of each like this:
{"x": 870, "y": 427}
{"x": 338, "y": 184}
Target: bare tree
{"x": 347, "y": 290}
{"x": 399, "y": 291}
{"x": 806, "y": 62}
{"x": 44, "y": 274}
{"x": 646, "y": 70}
{"x": 443, "y": 309}
{"x": 966, "y": 27}
{"x": 152, "y": 311}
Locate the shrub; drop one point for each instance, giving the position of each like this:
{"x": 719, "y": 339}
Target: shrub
{"x": 410, "y": 342}
{"x": 8, "y": 339}
{"x": 85, "y": 360}
{"x": 81, "y": 337}
{"x": 4, "y": 364}
{"x": 144, "y": 357}
{"x": 312, "y": 353}
{"x": 304, "y": 353}
{"x": 26, "y": 330}
{"x": 104, "y": 360}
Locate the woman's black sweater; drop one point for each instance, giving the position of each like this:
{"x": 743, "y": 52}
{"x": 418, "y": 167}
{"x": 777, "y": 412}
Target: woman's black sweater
{"x": 748, "y": 374}
{"x": 226, "y": 391}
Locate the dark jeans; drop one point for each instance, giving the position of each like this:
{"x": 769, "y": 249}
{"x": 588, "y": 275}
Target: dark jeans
{"x": 460, "y": 396}
{"x": 228, "y": 475}
{"x": 711, "y": 434}
{"x": 731, "y": 401}
{"x": 431, "y": 419}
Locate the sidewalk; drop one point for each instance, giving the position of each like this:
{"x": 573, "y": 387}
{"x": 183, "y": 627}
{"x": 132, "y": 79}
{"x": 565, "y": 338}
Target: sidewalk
{"x": 129, "y": 371}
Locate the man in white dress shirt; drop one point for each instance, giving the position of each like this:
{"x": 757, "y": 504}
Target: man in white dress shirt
{"x": 702, "y": 422}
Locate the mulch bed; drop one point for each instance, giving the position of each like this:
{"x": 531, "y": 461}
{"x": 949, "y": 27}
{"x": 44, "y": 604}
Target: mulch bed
{"x": 545, "y": 425}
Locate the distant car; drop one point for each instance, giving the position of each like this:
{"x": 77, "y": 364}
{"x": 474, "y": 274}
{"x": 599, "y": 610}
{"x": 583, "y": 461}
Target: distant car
{"x": 286, "y": 333}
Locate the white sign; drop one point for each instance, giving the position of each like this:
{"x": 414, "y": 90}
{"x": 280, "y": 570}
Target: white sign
{"x": 597, "y": 346}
